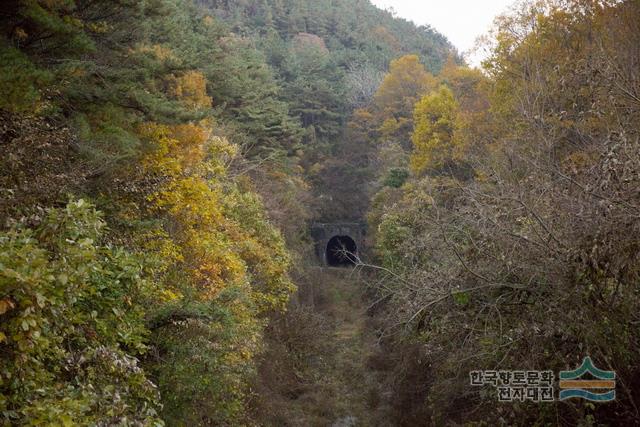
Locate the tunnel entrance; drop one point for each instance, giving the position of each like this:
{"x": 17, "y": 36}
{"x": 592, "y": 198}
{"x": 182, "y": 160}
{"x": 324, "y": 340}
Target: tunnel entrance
{"x": 341, "y": 251}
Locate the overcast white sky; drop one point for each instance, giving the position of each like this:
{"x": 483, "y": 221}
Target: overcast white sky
{"x": 461, "y": 21}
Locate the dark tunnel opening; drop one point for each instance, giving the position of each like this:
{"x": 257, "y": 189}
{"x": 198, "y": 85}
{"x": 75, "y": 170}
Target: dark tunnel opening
{"x": 341, "y": 251}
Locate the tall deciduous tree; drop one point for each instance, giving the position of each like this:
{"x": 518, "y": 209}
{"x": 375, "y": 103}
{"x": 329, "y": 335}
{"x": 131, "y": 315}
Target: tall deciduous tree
{"x": 435, "y": 118}
{"x": 404, "y": 84}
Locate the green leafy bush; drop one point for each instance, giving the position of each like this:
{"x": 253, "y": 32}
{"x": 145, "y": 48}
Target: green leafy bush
{"x": 396, "y": 177}
{"x": 71, "y": 325}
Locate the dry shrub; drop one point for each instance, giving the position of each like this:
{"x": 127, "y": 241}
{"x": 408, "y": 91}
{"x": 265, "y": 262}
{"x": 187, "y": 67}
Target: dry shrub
{"x": 535, "y": 263}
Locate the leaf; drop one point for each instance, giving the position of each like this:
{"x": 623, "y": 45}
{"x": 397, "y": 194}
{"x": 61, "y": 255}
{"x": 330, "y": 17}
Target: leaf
{"x": 63, "y": 278}
{"x": 461, "y": 298}
{"x": 41, "y": 300}
{"x": 5, "y": 305}
{"x": 3, "y": 337}
{"x": 66, "y": 420}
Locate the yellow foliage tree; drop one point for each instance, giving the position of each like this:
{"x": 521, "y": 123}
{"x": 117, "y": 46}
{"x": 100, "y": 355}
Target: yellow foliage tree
{"x": 401, "y": 88}
{"x": 191, "y": 89}
{"x": 407, "y": 79}
{"x": 192, "y": 203}
{"x": 469, "y": 85}
{"x": 224, "y": 268}
{"x": 221, "y": 232}
{"x": 433, "y": 137}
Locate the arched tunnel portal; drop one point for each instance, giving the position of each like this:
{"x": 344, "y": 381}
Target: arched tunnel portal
{"x": 341, "y": 251}
{"x": 338, "y": 244}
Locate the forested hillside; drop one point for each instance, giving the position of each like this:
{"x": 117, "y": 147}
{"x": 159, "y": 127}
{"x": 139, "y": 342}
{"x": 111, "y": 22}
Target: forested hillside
{"x": 162, "y": 161}
{"x": 155, "y": 174}
{"x": 329, "y": 58}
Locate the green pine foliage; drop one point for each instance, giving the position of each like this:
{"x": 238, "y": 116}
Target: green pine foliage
{"x": 20, "y": 80}
{"x": 312, "y": 46}
{"x": 352, "y": 29}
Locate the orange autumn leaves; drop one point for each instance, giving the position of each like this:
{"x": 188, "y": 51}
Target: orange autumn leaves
{"x": 221, "y": 233}
{"x": 393, "y": 103}
{"x": 215, "y": 235}
{"x": 431, "y": 117}
{"x": 190, "y": 89}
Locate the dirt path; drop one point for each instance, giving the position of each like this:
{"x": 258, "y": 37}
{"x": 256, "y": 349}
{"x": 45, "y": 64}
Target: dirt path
{"x": 354, "y": 342}
{"x": 322, "y": 377}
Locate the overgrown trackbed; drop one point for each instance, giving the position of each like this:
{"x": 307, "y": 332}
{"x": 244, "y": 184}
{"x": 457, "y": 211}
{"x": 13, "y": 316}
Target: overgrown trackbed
{"x": 317, "y": 369}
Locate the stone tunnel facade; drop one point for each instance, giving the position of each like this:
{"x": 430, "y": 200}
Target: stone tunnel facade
{"x": 323, "y": 233}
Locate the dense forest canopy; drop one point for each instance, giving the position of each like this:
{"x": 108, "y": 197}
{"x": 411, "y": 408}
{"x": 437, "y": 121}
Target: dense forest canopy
{"x": 161, "y": 162}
